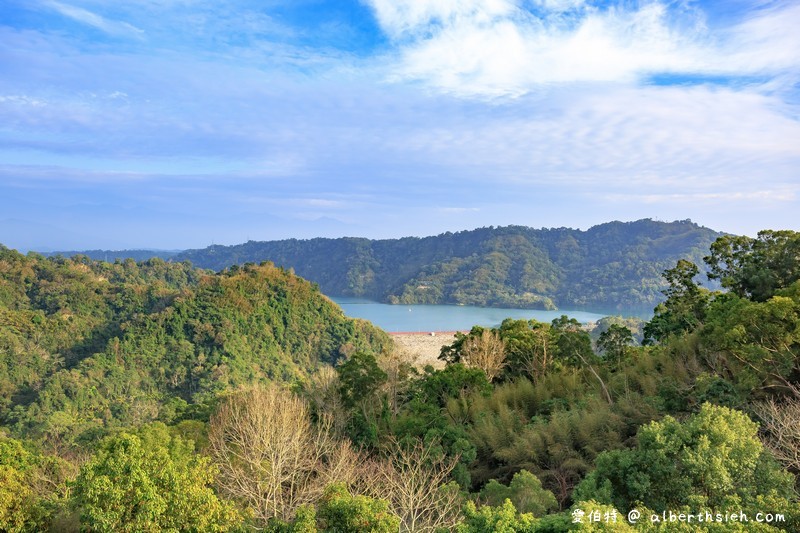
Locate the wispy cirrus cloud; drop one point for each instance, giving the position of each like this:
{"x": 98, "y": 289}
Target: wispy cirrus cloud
{"x": 84, "y": 16}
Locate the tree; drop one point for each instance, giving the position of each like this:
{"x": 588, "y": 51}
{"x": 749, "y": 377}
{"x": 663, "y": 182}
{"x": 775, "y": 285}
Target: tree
{"x": 575, "y": 347}
{"x": 530, "y": 347}
{"x": 359, "y": 378}
{"x": 573, "y": 342}
{"x": 16, "y": 497}
{"x": 485, "y": 351}
{"x": 360, "y": 382}
{"x": 340, "y": 511}
{"x": 760, "y": 340}
{"x": 413, "y": 477}
{"x": 781, "y": 424}
{"x": 756, "y": 268}
{"x": 525, "y": 492}
{"x": 270, "y": 455}
{"x": 150, "y": 482}
{"x": 685, "y": 307}
{"x": 613, "y": 342}
{"x": 714, "y": 460}
{"x": 501, "y": 519}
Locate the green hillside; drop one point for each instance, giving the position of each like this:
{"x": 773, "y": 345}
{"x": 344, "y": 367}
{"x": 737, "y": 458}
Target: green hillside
{"x": 158, "y": 397}
{"x": 613, "y": 265}
{"x": 86, "y": 345}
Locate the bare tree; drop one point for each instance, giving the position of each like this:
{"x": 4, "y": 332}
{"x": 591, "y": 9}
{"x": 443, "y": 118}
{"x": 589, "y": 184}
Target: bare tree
{"x": 536, "y": 360}
{"x": 398, "y": 365}
{"x": 781, "y": 426}
{"x": 271, "y": 456}
{"x": 413, "y": 479}
{"x": 486, "y": 351}
{"x": 323, "y": 393}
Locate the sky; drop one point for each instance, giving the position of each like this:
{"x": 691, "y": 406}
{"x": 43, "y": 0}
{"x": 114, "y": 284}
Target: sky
{"x": 176, "y": 124}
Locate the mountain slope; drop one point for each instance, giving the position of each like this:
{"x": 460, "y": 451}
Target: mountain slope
{"x": 613, "y": 265}
{"x": 86, "y": 345}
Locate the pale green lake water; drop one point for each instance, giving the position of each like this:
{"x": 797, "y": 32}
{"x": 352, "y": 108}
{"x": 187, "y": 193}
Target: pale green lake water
{"x": 394, "y": 318}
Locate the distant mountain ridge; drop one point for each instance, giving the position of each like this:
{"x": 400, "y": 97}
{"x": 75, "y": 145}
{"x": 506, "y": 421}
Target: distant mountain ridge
{"x": 616, "y": 265}
{"x": 113, "y": 255}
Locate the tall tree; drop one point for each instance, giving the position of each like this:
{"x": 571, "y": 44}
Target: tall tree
{"x": 614, "y": 341}
{"x": 756, "y": 268}
{"x": 486, "y": 351}
{"x": 685, "y": 307}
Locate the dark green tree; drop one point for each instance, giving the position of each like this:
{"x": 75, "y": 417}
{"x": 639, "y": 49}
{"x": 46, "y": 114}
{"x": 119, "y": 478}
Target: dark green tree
{"x": 756, "y": 268}
{"x": 614, "y": 341}
{"x": 573, "y": 342}
{"x": 360, "y": 377}
{"x": 685, "y": 307}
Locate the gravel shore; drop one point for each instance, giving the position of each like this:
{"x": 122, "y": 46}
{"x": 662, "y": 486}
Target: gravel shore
{"x": 425, "y": 347}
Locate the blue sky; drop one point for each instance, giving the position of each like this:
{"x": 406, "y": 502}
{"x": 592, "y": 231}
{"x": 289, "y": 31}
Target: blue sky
{"x": 182, "y": 123}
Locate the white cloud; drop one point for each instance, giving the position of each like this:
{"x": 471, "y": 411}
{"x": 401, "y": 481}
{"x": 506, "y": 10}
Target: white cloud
{"x": 84, "y": 16}
{"x": 499, "y": 48}
{"x": 403, "y": 18}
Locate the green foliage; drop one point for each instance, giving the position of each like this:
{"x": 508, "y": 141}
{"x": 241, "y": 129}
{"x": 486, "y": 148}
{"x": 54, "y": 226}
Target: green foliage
{"x": 761, "y": 339}
{"x": 714, "y": 461}
{"x": 437, "y": 386}
{"x": 685, "y": 307}
{"x": 17, "y": 500}
{"x": 32, "y": 487}
{"x": 614, "y": 341}
{"x": 573, "y": 342}
{"x": 531, "y": 348}
{"x": 525, "y": 492}
{"x": 501, "y": 519}
{"x": 756, "y": 268}
{"x": 423, "y": 416}
{"x": 611, "y": 265}
{"x": 150, "y": 482}
{"x": 359, "y": 378}
{"x": 91, "y": 349}
{"x": 340, "y": 511}
{"x": 86, "y": 346}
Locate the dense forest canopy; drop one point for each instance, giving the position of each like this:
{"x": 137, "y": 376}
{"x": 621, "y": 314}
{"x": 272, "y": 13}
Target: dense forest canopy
{"x": 156, "y": 396}
{"x": 86, "y": 344}
{"x": 616, "y": 265}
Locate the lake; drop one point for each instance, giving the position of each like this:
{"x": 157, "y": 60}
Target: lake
{"x": 397, "y": 318}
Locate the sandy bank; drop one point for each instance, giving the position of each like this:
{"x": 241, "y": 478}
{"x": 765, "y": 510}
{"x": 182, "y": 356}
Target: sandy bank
{"x": 424, "y": 346}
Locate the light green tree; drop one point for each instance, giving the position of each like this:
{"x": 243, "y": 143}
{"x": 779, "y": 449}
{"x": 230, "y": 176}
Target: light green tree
{"x": 16, "y": 496}
{"x": 340, "y": 511}
{"x": 501, "y": 519}
{"x": 525, "y": 492}
{"x": 714, "y": 460}
{"x": 150, "y": 482}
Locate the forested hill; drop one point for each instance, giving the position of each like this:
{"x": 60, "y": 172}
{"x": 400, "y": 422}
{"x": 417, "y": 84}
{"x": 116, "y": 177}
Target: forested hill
{"x": 114, "y": 255}
{"x": 87, "y": 345}
{"x": 613, "y": 265}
